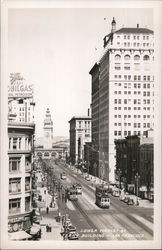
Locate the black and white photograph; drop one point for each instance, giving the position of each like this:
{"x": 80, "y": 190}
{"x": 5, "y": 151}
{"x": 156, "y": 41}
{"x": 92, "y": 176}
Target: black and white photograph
{"x": 80, "y": 124}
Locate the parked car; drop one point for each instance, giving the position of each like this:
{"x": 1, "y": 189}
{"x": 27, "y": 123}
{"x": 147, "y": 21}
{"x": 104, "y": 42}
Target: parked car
{"x": 126, "y": 199}
{"x": 71, "y": 228}
{"x": 130, "y": 201}
{"x": 73, "y": 236}
{"x": 87, "y": 178}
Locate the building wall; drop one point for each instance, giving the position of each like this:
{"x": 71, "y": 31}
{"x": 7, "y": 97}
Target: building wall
{"x": 20, "y": 166}
{"x": 132, "y": 157}
{"x": 80, "y": 133}
{"x": 126, "y": 90}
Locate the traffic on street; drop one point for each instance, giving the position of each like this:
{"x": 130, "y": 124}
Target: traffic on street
{"x": 90, "y": 211}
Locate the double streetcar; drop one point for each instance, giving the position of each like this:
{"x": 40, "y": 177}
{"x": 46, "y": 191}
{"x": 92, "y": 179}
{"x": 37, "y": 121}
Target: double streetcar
{"x": 102, "y": 196}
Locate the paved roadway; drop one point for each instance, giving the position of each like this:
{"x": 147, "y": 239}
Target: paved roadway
{"x": 119, "y": 222}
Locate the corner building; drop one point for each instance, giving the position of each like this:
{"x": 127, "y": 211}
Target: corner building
{"x": 125, "y": 95}
{"x": 21, "y": 129}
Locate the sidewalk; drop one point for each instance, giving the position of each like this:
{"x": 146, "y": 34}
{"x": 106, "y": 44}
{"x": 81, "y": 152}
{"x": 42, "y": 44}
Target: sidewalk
{"x": 50, "y": 219}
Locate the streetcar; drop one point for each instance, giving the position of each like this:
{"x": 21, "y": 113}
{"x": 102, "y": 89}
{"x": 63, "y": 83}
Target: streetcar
{"x": 78, "y": 188}
{"x": 102, "y": 197}
{"x": 72, "y": 194}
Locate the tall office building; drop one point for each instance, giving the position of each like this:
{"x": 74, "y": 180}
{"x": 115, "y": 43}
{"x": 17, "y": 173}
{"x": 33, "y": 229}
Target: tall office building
{"x": 122, "y": 92}
{"x": 21, "y": 130}
{"x": 48, "y": 130}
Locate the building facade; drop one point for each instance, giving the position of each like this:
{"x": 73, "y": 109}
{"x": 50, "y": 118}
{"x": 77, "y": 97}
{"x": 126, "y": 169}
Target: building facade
{"x": 125, "y": 95}
{"x": 80, "y": 133}
{"x": 135, "y": 158}
{"x": 48, "y": 130}
{"x": 21, "y": 129}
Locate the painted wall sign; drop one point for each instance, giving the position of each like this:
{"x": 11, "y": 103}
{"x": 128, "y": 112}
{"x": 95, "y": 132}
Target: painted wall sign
{"x": 18, "y": 88}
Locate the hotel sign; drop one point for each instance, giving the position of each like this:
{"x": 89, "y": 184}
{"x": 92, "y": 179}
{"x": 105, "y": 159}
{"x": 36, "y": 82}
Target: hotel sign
{"x": 18, "y": 88}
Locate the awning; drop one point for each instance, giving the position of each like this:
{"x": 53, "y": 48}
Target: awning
{"x": 20, "y": 235}
{"x": 35, "y": 229}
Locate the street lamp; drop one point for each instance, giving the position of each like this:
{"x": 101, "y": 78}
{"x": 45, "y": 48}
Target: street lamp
{"x": 137, "y": 177}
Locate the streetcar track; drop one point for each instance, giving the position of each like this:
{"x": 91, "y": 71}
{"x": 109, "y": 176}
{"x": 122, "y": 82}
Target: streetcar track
{"x": 113, "y": 214}
{"x": 89, "y": 221}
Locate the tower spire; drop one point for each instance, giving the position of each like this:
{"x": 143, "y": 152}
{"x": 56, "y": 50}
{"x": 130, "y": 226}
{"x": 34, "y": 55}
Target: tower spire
{"x": 113, "y": 24}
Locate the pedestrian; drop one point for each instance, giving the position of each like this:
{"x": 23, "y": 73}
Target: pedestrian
{"x": 47, "y": 210}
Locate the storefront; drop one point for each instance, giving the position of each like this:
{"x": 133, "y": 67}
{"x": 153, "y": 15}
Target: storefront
{"x": 19, "y": 222}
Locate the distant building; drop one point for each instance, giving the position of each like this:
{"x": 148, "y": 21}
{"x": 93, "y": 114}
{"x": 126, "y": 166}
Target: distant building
{"x": 80, "y": 133}
{"x": 21, "y": 129}
{"x": 48, "y": 130}
{"x": 135, "y": 155}
{"x": 122, "y": 92}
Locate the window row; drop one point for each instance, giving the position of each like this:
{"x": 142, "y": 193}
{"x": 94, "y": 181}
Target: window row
{"x": 17, "y": 143}
{"x": 136, "y": 57}
{"x": 135, "y": 37}
{"x": 15, "y": 205}
{"x": 15, "y": 185}
{"x": 129, "y": 108}
{"x": 135, "y": 77}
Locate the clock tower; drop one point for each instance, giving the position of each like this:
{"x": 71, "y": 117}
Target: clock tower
{"x": 48, "y": 130}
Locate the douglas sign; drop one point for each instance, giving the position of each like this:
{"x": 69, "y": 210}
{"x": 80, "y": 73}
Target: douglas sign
{"x": 17, "y": 87}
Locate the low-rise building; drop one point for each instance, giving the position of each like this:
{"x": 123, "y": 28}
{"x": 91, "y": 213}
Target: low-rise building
{"x": 134, "y": 164}
{"x": 80, "y": 133}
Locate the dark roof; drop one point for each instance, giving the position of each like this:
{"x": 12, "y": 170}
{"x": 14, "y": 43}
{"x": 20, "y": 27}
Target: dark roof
{"x": 134, "y": 30}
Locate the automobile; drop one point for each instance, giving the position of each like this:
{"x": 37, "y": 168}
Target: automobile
{"x": 71, "y": 228}
{"x": 116, "y": 193}
{"x": 126, "y": 199}
{"x": 87, "y": 178}
{"x": 130, "y": 201}
{"x": 73, "y": 236}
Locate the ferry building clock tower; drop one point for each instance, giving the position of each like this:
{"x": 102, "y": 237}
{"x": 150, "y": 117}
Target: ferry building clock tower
{"x": 48, "y": 130}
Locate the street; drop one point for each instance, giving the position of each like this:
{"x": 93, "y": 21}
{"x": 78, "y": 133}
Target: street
{"x": 119, "y": 222}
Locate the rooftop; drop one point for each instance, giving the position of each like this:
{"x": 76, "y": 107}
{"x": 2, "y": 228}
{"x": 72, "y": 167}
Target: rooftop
{"x": 80, "y": 118}
{"x": 134, "y": 30}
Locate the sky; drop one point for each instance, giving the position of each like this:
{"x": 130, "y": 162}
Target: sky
{"x": 54, "y": 49}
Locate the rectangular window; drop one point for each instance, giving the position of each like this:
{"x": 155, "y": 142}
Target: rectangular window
{"x": 27, "y": 203}
{"x": 14, "y": 185}
{"x": 14, "y": 206}
{"x": 14, "y": 164}
{"x": 14, "y": 143}
{"x": 9, "y": 143}
{"x": 27, "y": 183}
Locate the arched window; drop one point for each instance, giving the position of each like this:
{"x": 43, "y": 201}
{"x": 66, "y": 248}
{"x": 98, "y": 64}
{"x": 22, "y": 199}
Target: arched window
{"x": 39, "y": 154}
{"x": 127, "y": 57}
{"x": 117, "y": 57}
{"x": 46, "y": 154}
{"x": 136, "y": 57}
{"x": 146, "y": 58}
